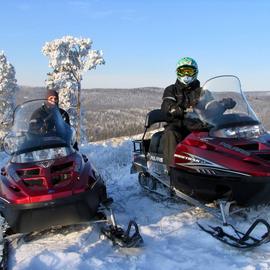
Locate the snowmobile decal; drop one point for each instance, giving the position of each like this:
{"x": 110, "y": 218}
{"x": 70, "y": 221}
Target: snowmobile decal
{"x": 234, "y": 148}
{"x": 204, "y": 166}
{"x": 156, "y": 158}
{"x": 195, "y": 160}
{"x": 46, "y": 164}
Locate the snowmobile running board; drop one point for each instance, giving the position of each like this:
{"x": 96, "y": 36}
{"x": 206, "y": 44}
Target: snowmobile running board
{"x": 223, "y": 205}
{"x": 197, "y": 203}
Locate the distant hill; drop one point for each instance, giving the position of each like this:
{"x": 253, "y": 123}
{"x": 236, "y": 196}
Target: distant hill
{"x": 109, "y": 113}
{"x": 116, "y": 112}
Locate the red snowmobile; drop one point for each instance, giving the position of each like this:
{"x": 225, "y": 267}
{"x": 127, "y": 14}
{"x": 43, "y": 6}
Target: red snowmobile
{"x": 225, "y": 158}
{"x": 48, "y": 183}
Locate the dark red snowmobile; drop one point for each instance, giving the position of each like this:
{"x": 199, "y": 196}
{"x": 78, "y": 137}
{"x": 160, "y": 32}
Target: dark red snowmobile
{"x": 47, "y": 182}
{"x": 225, "y": 157}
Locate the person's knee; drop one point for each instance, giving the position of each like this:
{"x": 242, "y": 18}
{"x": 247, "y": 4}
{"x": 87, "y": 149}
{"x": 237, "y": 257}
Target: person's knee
{"x": 167, "y": 136}
{"x": 172, "y": 134}
{"x": 169, "y": 132}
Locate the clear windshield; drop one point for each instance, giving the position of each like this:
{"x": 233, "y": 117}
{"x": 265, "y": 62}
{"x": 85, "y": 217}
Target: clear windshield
{"x": 223, "y": 109}
{"x": 37, "y": 125}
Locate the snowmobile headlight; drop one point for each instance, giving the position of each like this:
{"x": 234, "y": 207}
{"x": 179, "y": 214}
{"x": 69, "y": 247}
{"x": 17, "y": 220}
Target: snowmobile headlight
{"x": 239, "y": 132}
{"x": 11, "y": 142}
{"x": 40, "y": 155}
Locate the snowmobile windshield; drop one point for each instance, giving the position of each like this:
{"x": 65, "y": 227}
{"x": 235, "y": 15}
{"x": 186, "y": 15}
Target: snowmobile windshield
{"x": 38, "y": 125}
{"x": 222, "y": 108}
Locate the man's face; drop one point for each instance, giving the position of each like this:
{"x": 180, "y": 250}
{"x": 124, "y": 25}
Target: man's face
{"x": 53, "y": 100}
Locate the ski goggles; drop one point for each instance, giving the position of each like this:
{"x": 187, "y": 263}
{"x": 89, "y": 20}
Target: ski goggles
{"x": 186, "y": 71}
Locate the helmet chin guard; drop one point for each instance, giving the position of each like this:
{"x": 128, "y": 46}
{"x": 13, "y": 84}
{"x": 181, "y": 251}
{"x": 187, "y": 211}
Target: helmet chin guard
{"x": 185, "y": 79}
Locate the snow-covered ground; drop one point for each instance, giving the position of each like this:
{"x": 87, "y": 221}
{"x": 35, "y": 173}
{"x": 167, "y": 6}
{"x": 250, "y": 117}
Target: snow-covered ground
{"x": 172, "y": 239}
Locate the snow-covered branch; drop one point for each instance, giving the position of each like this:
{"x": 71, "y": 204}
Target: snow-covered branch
{"x": 8, "y": 88}
{"x": 72, "y": 53}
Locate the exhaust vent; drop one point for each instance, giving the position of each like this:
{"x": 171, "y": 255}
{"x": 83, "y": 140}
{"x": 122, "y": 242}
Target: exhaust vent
{"x": 249, "y": 147}
{"x": 62, "y": 167}
{"x": 38, "y": 182}
{"x": 264, "y": 156}
{"x": 28, "y": 172}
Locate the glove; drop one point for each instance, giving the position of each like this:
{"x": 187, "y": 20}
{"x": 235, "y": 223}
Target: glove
{"x": 228, "y": 103}
{"x": 176, "y": 111}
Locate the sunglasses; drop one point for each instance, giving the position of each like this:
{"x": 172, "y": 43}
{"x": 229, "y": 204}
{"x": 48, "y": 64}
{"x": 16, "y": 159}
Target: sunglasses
{"x": 186, "y": 71}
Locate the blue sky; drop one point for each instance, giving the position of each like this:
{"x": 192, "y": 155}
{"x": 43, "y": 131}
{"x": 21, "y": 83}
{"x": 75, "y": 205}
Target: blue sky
{"x": 142, "y": 39}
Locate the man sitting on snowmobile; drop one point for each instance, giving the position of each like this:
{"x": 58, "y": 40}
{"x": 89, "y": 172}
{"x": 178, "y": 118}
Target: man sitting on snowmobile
{"x": 181, "y": 97}
{"x": 41, "y": 119}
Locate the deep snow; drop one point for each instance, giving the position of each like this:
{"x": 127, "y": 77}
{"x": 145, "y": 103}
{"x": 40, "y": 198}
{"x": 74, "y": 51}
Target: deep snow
{"x": 172, "y": 239}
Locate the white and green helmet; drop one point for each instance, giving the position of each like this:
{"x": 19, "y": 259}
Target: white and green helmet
{"x": 187, "y": 70}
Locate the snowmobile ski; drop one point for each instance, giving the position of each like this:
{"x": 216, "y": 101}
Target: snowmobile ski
{"x": 239, "y": 239}
{"x": 121, "y": 238}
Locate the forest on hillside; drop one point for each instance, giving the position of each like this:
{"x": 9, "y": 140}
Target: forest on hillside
{"x": 112, "y": 113}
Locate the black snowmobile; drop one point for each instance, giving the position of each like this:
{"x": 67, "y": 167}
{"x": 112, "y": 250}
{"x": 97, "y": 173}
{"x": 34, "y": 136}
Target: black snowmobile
{"x": 48, "y": 183}
{"x": 223, "y": 160}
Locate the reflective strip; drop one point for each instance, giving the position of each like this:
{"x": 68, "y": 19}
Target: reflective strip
{"x": 209, "y": 103}
{"x": 3, "y": 199}
{"x": 171, "y": 98}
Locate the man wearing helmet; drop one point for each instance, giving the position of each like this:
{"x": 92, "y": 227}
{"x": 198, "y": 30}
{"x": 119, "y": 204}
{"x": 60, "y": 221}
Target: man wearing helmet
{"x": 179, "y": 98}
{"x": 176, "y": 99}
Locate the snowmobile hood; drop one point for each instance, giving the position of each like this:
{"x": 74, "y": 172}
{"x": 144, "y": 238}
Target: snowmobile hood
{"x": 245, "y": 156}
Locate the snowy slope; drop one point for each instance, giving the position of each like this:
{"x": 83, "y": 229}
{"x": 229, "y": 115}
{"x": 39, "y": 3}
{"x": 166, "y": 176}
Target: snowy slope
{"x": 172, "y": 238}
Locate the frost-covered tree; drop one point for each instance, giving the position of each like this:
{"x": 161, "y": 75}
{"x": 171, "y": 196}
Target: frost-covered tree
{"x": 8, "y": 88}
{"x": 69, "y": 57}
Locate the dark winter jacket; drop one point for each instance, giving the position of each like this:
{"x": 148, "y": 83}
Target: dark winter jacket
{"x": 178, "y": 97}
{"x": 42, "y": 118}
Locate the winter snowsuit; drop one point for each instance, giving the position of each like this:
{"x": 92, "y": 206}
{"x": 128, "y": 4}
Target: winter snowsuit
{"x": 177, "y": 98}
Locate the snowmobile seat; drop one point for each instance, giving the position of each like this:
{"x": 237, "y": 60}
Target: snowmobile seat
{"x": 156, "y": 116}
{"x": 156, "y": 144}
{"x": 153, "y": 117}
